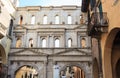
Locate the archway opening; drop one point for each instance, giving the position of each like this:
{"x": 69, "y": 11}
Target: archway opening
{"x": 3, "y": 67}
{"x": 118, "y": 69}
{"x": 72, "y": 72}
{"x": 21, "y": 20}
{"x": 115, "y": 56}
{"x": 95, "y": 68}
{"x": 26, "y": 72}
{"x": 111, "y": 54}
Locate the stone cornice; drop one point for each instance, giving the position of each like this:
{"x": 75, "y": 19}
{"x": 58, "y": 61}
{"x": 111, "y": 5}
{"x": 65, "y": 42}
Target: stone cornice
{"x": 38, "y": 8}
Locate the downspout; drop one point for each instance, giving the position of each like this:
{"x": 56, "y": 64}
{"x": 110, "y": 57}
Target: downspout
{"x": 100, "y": 57}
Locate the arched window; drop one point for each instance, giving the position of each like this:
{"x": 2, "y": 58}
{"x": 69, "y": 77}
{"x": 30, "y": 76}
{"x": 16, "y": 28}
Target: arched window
{"x": 45, "y": 19}
{"x": 21, "y": 19}
{"x": 10, "y": 27}
{"x": 69, "y": 42}
{"x": 33, "y": 19}
{"x": 57, "y": 19}
{"x": 18, "y": 43}
{"x": 72, "y": 72}
{"x": 57, "y": 42}
{"x": 69, "y": 19}
{"x": 43, "y": 42}
{"x": 83, "y": 42}
{"x": 81, "y": 19}
{"x": 30, "y": 42}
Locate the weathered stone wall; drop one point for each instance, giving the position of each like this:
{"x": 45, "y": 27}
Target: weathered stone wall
{"x": 46, "y": 59}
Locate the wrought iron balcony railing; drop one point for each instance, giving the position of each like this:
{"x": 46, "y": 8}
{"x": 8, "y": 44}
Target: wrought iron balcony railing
{"x": 98, "y": 23}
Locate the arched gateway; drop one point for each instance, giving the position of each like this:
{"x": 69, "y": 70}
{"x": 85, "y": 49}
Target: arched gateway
{"x": 53, "y": 53}
{"x": 112, "y": 54}
{"x": 26, "y": 72}
{"x": 72, "y": 72}
{"x": 3, "y": 67}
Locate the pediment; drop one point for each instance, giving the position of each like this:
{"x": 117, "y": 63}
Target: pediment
{"x": 72, "y": 52}
{"x": 26, "y": 52}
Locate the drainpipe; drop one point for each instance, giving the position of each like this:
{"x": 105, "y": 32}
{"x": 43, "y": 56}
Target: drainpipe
{"x": 100, "y": 58}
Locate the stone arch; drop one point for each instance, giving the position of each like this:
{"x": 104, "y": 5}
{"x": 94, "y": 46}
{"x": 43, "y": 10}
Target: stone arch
{"x": 31, "y": 42}
{"x": 27, "y": 65}
{"x": 21, "y": 19}
{"x": 34, "y": 66}
{"x": 69, "y": 42}
{"x": 82, "y": 66}
{"x": 117, "y": 68}
{"x": 95, "y": 68}
{"x": 18, "y": 42}
{"x": 3, "y": 55}
{"x": 108, "y": 54}
{"x": 3, "y": 62}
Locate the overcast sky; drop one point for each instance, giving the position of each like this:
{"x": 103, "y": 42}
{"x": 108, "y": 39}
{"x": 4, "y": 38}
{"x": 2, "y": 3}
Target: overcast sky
{"x": 49, "y": 2}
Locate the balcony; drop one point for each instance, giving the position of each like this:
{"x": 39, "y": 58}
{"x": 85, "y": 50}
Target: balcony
{"x": 98, "y": 24}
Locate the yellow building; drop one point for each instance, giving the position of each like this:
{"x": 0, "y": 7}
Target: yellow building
{"x": 110, "y": 41}
{"x": 104, "y": 28}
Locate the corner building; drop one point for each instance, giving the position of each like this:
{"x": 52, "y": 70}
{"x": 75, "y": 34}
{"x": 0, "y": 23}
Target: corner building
{"x": 7, "y": 10}
{"x": 104, "y": 28}
{"x": 50, "y": 42}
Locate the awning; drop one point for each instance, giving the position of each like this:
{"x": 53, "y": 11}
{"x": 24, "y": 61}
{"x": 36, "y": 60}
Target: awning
{"x": 85, "y": 5}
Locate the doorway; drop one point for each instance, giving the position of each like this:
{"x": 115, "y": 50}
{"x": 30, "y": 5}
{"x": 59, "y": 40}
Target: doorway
{"x": 72, "y": 72}
{"x": 26, "y": 72}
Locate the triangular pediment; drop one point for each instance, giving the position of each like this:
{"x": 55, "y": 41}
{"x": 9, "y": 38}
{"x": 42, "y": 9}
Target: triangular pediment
{"x": 72, "y": 52}
{"x": 26, "y": 52}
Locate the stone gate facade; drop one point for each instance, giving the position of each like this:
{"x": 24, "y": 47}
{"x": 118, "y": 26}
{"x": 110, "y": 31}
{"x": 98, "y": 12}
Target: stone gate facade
{"x": 53, "y": 40}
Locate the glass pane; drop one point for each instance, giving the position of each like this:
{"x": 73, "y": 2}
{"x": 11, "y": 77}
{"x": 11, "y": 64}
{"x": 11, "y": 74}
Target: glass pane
{"x": 56, "y": 19}
{"x": 33, "y": 20}
{"x": 69, "y": 43}
{"x": 69, "y": 20}
{"x": 57, "y": 42}
{"x": 45, "y": 20}
{"x": 44, "y": 43}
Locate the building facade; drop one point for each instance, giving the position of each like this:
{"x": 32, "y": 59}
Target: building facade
{"x": 105, "y": 32}
{"x": 110, "y": 41}
{"x": 7, "y": 10}
{"x": 50, "y": 42}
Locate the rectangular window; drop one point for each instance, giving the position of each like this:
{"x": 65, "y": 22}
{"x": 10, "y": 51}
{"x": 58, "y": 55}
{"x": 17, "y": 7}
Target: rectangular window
{"x": 69, "y": 19}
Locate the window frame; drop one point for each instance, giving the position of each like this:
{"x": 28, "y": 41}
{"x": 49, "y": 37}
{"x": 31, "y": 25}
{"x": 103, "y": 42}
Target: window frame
{"x": 69, "y": 19}
{"x": 57, "y": 43}
{"x": 57, "y": 19}
{"x": 33, "y": 19}
{"x": 45, "y": 19}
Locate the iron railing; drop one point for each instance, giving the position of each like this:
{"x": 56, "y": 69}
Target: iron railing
{"x": 98, "y": 21}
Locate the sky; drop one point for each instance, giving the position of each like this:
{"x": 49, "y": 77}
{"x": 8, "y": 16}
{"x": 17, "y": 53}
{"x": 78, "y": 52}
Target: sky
{"x": 49, "y": 2}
